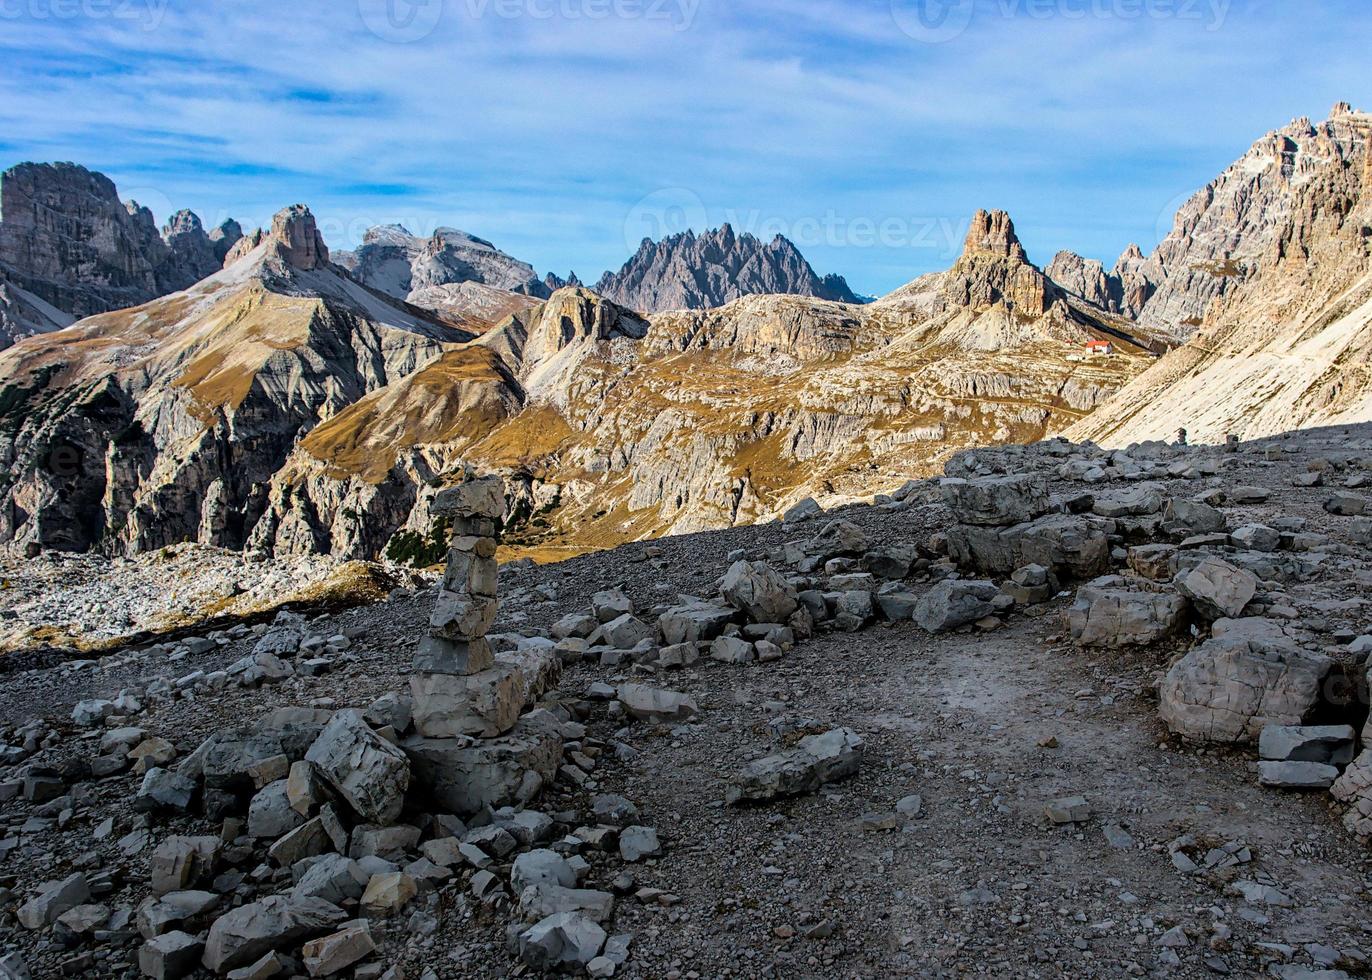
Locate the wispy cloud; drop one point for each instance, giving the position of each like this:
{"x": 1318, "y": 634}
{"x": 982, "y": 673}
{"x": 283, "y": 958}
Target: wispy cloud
{"x": 545, "y": 125}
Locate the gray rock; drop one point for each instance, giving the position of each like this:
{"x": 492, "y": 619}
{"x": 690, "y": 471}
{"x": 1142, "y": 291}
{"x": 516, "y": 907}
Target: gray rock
{"x": 1108, "y": 616}
{"x": 160, "y": 914}
{"x": 759, "y": 591}
{"x": 170, "y": 956}
{"x": 812, "y": 762}
{"x": 1194, "y": 516}
{"x": 996, "y": 501}
{"x": 483, "y": 705}
{"x": 239, "y": 937}
{"x": 164, "y": 790}
{"x": 1348, "y": 505}
{"x": 270, "y": 813}
{"x": 1331, "y": 745}
{"x": 1067, "y": 544}
{"x": 694, "y": 622}
{"x": 1234, "y": 685}
{"x": 611, "y": 604}
{"x": 1217, "y": 588}
{"x": 561, "y": 940}
{"x": 179, "y": 862}
{"x": 732, "y": 650}
{"x": 333, "y": 878}
{"x": 626, "y": 631}
{"x": 463, "y": 777}
{"x": 1297, "y": 775}
{"x": 53, "y": 899}
{"x": 637, "y": 843}
{"x": 655, "y": 704}
{"x": 1256, "y": 537}
{"x": 337, "y": 951}
{"x": 91, "y": 712}
{"x": 370, "y": 773}
{"x": 541, "y": 866}
{"x": 953, "y": 603}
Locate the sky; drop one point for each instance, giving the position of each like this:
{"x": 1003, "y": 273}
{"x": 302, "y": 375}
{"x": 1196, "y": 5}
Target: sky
{"x": 565, "y": 131}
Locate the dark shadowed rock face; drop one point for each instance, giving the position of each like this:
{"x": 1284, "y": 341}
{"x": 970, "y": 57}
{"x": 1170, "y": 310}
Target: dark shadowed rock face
{"x": 690, "y": 272}
{"x": 193, "y": 254}
{"x": 67, "y": 239}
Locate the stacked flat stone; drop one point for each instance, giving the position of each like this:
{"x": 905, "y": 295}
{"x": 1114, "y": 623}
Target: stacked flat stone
{"x": 457, "y": 686}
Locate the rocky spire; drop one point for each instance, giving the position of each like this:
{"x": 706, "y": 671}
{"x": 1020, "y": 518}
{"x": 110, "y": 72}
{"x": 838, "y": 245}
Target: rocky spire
{"x": 993, "y": 232}
{"x": 297, "y": 239}
{"x": 993, "y": 269}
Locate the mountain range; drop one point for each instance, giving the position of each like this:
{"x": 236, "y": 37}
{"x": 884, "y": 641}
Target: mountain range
{"x": 293, "y": 401}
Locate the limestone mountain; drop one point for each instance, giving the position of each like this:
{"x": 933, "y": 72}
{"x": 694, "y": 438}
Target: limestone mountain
{"x": 691, "y": 272}
{"x": 1220, "y": 234}
{"x": 142, "y": 427}
{"x": 459, "y": 276}
{"x": 608, "y": 426}
{"x": 1289, "y": 344}
{"x": 67, "y": 240}
{"x": 282, "y": 405}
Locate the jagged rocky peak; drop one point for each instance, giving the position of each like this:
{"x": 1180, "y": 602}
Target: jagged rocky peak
{"x": 692, "y": 272}
{"x": 992, "y": 232}
{"x": 297, "y": 238}
{"x": 993, "y": 268}
{"x": 1221, "y": 234}
{"x": 1123, "y": 290}
{"x": 1082, "y": 277}
{"x": 224, "y": 237}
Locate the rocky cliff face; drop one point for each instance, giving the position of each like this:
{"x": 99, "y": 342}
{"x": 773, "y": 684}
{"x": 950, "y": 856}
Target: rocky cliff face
{"x": 1289, "y": 343}
{"x": 690, "y": 272}
{"x": 139, "y": 428}
{"x": 1220, "y": 234}
{"x": 67, "y": 239}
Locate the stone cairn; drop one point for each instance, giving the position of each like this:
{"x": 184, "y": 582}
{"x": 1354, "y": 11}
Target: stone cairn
{"x": 471, "y": 748}
{"x": 457, "y": 687}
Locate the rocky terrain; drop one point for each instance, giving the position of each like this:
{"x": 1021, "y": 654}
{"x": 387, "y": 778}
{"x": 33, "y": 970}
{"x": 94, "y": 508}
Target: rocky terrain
{"x": 611, "y": 427}
{"x": 166, "y": 422}
{"x": 1064, "y": 712}
{"x": 695, "y": 272}
{"x": 67, "y": 243}
{"x": 1224, "y": 235}
{"x": 289, "y": 404}
{"x": 282, "y": 406}
{"x": 1290, "y": 345}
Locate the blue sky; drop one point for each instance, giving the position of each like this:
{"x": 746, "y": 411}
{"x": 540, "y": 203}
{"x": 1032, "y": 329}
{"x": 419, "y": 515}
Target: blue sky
{"x": 566, "y": 130}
